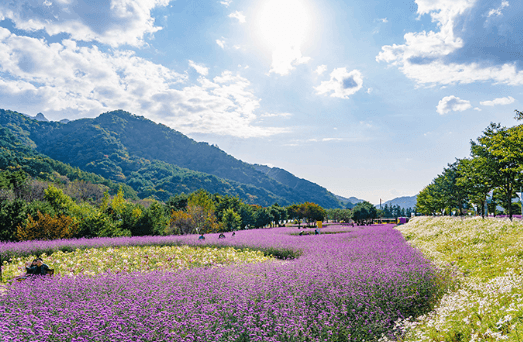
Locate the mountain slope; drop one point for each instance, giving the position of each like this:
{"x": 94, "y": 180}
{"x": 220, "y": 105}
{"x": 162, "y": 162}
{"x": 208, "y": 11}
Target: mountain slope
{"x": 302, "y": 187}
{"x": 404, "y": 202}
{"x": 15, "y": 155}
{"x": 152, "y": 158}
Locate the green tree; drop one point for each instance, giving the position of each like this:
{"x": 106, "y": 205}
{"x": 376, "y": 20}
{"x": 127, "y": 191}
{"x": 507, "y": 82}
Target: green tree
{"x": 231, "y": 220}
{"x": 364, "y": 211}
{"x": 12, "y": 214}
{"x": 247, "y": 215}
{"x": 476, "y": 175}
{"x": 59, "y": 201}
{"x": 502, "y": 148}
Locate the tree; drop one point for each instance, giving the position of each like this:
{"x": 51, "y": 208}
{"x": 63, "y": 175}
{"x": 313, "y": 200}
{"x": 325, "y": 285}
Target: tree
{"x": 47, "y": 227}
{"x": 502, "y": 148}
{"x": 247, "y": 215}
{"x": 364, "y": 211}
{"x": 178, "y": 202}
{"x": 231, "y": 221}
{"x": 261, "y": 217}
{"x": 476, "y": 175}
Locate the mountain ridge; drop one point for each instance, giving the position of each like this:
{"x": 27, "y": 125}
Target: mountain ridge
{"x": 157, "y": 160}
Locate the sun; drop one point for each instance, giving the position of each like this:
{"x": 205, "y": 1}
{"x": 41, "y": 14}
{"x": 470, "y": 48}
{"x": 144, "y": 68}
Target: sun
{"x": 282, "y": 23}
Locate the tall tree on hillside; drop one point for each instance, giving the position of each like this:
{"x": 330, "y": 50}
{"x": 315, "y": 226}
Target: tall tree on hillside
{"x": 502, "y": 148}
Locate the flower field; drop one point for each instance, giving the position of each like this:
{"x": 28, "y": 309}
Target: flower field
{"x": 144, "y": 259}
{"x": 343, "y": 287}
{"x": 487, "y": 256}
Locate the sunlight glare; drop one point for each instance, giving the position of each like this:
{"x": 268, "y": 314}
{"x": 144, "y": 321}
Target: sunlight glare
{"x": 283, "y": 23}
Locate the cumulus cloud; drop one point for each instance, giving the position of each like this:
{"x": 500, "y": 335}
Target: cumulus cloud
{"x": 498, "y": 101}
{"x": 472, "y": 43}
{"x": 226, "y": 3}
{"x": 238, "y": 15}
{"x": 342, "y": 83}
{"x": 66, "y": 80}
{"x": 115, "y": 22}
{"x": 321, "y": 69}
{"x": 452, "y": 103}
{"x": 202, "y": 70}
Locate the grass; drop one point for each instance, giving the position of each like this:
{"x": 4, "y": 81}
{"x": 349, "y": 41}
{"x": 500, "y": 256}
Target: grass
{"x": 486, "y": 302}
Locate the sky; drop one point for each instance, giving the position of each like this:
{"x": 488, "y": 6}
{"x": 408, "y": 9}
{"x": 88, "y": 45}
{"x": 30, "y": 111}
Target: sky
{"x": 367, "y": 98}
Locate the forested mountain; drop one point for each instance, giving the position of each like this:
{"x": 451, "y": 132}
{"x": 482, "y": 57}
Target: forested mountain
{"x": 14, "y": 156}
{"x": 156, "y": 160}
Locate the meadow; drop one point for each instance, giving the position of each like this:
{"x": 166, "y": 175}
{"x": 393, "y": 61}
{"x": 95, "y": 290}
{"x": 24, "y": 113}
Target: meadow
{"x": 350, "y": 286}
{"x": 486, "y": 258}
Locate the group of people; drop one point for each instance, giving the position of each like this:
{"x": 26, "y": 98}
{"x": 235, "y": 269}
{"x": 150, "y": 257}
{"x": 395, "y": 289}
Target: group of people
{"x": 35, "y": 268}
{"x": 221, "y": 236}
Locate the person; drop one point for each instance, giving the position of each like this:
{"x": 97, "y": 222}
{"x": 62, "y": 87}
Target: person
{"x": 29, "y": 270}
{"x": 28, "y": 265}
{"x": 221, "y": 236}
{"x": 301, "y": 233}
{"x": 233, "y": 233}
{"x": 201, "y": 237}
{"x": 40, "y": 268}
{"x": 316, "y": 232}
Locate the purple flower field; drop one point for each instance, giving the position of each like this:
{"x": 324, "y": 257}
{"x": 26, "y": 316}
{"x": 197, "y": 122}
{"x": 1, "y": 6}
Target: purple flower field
{"x": 343, "y": 287}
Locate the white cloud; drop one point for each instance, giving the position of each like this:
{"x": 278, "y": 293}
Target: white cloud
{"x": 450, "y": 54}
{"x": 321, "y": 69}
{"x": 498, "y": 11}
{"x": 383, "y": 20}
{"x": 65, "y": 80}
{"x": 342, "y": 83}
{"x": 221, "y": 43}
{"x": 369, "y": 90}
{"x": 115, "y": 22}
{"x": 477, "y": 109}
{"x": 238, "y": 15}
{"x": 285, "y": 59}
{"x": 498, "y": 101}
{"x": 452, "y": 103}
{"x": 202, "y": 70}
{"x": 226, "y": 3}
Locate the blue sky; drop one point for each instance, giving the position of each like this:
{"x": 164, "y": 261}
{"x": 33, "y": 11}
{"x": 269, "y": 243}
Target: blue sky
{"x": 367, "y": 98}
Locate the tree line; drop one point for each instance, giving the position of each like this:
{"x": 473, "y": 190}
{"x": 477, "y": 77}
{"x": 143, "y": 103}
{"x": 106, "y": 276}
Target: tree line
{"x": 489, "y": 178}
{"x": 31, "y": 208}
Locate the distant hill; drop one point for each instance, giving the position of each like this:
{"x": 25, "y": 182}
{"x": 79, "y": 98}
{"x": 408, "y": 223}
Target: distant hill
{"x": 404, "y": 202}
{"x": 158, "y": 161}
{"x": 348, "y": 202}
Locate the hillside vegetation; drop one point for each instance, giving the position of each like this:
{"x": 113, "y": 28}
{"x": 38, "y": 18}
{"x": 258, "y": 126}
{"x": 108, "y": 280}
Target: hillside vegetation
{"x": 156, "y": 160}
{"x": 487, "y": 258}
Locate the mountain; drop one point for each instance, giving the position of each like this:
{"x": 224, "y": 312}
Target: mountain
{"x": 156, "y": 160}
{"x": 16, "y": 155}
{"x": 302, "y": 187}
{"x": 37, "y": 117}
{"x": 346, "y": 200}
{"x": 404, "y": 202}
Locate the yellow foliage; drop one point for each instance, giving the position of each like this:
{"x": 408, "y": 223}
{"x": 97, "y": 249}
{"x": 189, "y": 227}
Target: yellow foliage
{"x": 47, "y": 227}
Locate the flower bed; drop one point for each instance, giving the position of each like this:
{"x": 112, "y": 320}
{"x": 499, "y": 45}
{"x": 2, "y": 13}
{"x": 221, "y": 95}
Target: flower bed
{"x": 344, "y": 287}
